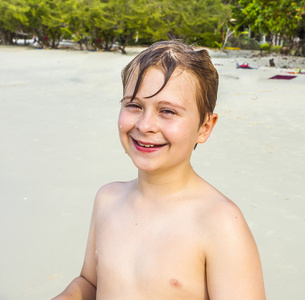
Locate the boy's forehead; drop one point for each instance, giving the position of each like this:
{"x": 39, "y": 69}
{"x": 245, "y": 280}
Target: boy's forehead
{"x": 150, "y": 72}
{"x": 181, "y": 86}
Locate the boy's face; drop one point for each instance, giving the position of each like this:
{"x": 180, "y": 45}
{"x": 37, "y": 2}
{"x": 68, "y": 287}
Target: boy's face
{"x": 160, "y": 133}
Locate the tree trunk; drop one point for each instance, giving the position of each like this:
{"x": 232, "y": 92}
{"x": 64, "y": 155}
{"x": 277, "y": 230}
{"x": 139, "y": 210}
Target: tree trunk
{"x": 122, "y": 48}
{"x": 228, "y": 34}
{"x": 6, "y": 37}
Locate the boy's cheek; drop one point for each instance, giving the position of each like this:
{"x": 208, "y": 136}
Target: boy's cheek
{"x": 122, "y": 120}
{"x": 124, "y": 124}
{"x": 127, "y": 120}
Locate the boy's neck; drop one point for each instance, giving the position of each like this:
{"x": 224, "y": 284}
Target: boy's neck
{"x": 165, "y": 184}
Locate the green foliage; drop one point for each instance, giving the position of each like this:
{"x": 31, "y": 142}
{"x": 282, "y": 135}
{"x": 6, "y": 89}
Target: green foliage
{"x": 105, "y": 22}
{"x": 276, "y": 49}
{"x": 266, "y": 17}
{"x": 272, "y": 48}
{"x": 264, "y": 47}
{"x": 218, "y": 45}
{"x": 243, "y": 41}
{"x": 12, "y": 18}
{"x": 192, "y": 21}
{"x": 48, "y": 20}
{"x": 210, "y": 39}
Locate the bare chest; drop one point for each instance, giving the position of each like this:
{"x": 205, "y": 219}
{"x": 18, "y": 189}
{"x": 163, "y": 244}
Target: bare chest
{"x": 149, "y": 259}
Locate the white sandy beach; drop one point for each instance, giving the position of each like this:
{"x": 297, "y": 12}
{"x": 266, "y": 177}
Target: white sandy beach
{"x": 59, "y": 144}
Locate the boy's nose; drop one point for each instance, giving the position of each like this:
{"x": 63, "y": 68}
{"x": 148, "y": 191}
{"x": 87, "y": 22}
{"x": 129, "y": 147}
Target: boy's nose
{"x": 147, "y": 123}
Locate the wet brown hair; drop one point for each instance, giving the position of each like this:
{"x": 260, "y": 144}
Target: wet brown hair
{"x": 172, "y": 55}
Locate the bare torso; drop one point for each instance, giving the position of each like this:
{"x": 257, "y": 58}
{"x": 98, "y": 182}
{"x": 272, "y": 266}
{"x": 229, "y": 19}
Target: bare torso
{"x": 147, "y": 251}
{"x": 190, "y": 245}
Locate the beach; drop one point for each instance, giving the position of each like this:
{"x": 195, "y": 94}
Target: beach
{"x": 60, "y": 144}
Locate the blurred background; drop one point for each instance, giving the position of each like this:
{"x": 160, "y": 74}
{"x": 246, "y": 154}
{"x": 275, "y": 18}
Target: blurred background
{"x": 277, "y": 26}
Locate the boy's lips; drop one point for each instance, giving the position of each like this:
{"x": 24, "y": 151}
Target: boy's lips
{"x": 147, "y": 146}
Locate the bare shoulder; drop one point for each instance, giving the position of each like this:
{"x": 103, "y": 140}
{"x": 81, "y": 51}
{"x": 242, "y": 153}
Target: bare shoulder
{"x": 232, "y": 260}
{"x": 111, "y": 193}
{"x": 219, "y": 213}
{"x": 228, "y": 226}
{"x": 114, "y": 187}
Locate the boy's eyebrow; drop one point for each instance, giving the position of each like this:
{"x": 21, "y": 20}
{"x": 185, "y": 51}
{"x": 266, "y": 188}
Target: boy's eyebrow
{"x": 161, "y": 102}
{"x": 126, "y": 98}
{"x": 172, "y": 104}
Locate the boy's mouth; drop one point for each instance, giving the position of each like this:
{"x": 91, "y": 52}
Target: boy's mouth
{"x": 148, "y": 145}
{"x": 145, "y": 145}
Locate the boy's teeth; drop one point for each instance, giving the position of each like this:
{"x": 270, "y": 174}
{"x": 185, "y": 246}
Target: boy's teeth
{"x": 147, "y": 146}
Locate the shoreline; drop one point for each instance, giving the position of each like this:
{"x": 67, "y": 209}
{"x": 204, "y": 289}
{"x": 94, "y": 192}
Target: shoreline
{"x": 253, "y": 58}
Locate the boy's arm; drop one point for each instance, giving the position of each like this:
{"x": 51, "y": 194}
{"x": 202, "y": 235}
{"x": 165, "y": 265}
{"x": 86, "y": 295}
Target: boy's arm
{"x": 232, "y": 260}
{"x": 84, "y": 286}
{"x": 80, "y": 288}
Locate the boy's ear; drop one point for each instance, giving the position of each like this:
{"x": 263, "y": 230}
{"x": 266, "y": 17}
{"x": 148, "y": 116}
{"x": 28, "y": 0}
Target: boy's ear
{"x": 206, "y": 128}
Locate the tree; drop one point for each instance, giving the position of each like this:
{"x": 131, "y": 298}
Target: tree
{"x": 195, "y": 21}
{"x": 75, "y": 19}
{"x": 276, "y": 17}
{"x": 13, "y": 19}
{"x": 48, "y": 19}
{"x": 300, "y": 32}
{"x": 110, "y": 21}
{"x": 133, "y": 18}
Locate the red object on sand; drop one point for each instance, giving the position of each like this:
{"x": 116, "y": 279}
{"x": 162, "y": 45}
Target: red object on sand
{"x": 243, "y": 66}
{"x": 283, "y": 77}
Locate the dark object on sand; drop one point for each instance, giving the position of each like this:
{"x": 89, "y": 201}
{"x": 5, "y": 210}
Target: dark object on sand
{"x": 284, "y": 51}
{"x": 271, "y": 62}
{"x": 283, "y": 77}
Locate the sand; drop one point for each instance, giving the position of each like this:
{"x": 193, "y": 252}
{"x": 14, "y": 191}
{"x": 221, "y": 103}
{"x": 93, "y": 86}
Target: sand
{"x": 59, "y": 144}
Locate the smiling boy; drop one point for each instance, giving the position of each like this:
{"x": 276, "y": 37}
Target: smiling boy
{"x": 167, "y": 234}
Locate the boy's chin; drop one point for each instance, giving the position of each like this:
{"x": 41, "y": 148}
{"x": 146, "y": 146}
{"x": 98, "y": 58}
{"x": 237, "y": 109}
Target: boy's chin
{"x": 145, "y": 166}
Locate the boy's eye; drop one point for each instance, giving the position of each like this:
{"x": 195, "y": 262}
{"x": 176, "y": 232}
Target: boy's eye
{"x": 168, "y": 112}
{"x": 133, "y": 105}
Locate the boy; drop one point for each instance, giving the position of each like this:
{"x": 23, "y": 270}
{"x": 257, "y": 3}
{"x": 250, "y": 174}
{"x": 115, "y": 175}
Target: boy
{"x": 167, "y": 234}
